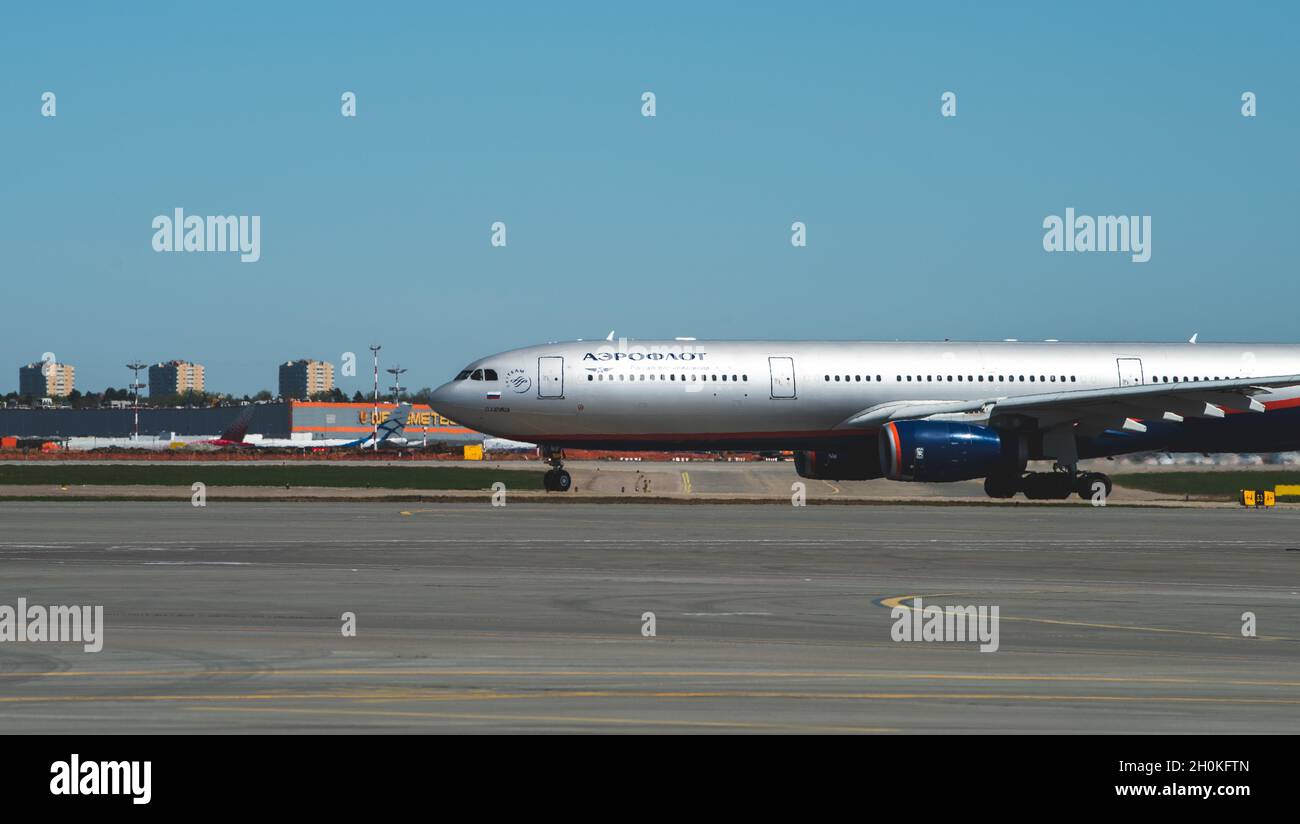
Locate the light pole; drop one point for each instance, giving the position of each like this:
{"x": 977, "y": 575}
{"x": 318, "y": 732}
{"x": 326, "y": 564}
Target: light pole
{"x": 135, "y": 366}
{"x": 374, "y": 414}
{"x": 396, "y": 372}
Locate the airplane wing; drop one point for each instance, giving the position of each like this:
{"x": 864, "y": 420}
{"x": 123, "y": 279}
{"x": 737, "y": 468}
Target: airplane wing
{"x": 1113, "y": 407}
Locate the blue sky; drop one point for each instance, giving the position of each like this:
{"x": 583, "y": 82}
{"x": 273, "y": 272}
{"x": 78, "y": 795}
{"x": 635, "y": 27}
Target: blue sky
{"x": 377, "y": 228}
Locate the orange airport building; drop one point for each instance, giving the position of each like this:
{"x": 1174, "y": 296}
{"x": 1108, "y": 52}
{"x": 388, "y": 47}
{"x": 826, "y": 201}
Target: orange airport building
{"x": 312, "y": 420}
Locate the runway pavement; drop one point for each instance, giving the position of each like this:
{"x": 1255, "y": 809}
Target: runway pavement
{"x": 529, "y": 617}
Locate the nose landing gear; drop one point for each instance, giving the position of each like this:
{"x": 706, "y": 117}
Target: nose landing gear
{"x": 556, "y": 478}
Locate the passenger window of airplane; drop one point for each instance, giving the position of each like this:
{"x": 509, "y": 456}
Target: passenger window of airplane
{"x": 672, "y": 377}
{"x": 1072, "y": 379}
{"x": 590, "y": 378}
{"x": 898, "y": 377}
{"x": 1031, "y": 378}
{"x": 837, "y": 378}
{"x": 744, "y": 377}
{"x": 857, "y": 379}
{"x": 877, "y": 377}
{"x": 1053, "y": 379}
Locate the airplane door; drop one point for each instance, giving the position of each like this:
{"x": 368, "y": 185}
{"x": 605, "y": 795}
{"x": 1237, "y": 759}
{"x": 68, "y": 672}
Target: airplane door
{"x": 782, "y": 377}
{"x": 1130, "y": 371}
{"x": 550, "y": 377}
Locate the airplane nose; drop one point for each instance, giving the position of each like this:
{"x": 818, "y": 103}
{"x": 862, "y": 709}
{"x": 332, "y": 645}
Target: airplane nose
{"x": 442, "y": 396}
{"x": 451, "y": 400}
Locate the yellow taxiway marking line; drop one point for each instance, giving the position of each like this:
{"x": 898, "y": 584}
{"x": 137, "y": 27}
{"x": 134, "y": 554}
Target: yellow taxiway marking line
{"x": 382, "y": 696}
{"x": 896, "y": 603}
{"x": 755, "y": 674}
{"x": 686, "y": 482}
{"x": 579, "y": 719}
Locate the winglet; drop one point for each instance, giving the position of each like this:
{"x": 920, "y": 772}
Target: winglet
{"x": 1194, "y": 336}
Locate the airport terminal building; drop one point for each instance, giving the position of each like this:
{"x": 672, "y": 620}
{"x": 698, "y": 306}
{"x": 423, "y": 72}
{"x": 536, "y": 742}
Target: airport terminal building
{"x": 297, "y": 420}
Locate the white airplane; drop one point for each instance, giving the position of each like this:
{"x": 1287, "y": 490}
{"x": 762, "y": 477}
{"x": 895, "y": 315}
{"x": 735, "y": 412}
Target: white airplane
{"x": 935, "y": 411}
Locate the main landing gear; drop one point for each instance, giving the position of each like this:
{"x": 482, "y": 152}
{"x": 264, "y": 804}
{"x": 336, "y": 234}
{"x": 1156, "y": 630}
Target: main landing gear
{"x": 1048, "y": 486}
{"x": 556, "y": 478}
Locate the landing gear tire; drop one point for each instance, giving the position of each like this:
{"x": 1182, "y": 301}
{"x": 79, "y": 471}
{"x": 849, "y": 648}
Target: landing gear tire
{"x": 557, "y": 480}
{"x": 1002, "y": 486}
{"x": 1085, "y": 482}
{"x": 1049, "y": 486}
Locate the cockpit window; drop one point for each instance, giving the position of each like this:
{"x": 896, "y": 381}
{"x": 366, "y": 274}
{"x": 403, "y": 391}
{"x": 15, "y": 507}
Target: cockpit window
{"x": 490, "y": 374}
{"x": 463, "y": 375}
{"x": 477, "y": 376}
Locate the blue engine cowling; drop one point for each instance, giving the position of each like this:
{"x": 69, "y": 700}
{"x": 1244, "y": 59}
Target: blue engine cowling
{"x": 940, "y": 451}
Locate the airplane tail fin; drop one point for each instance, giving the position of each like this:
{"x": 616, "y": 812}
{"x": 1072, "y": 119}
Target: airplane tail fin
{"x": 236, "y": 431}
{"x": 395, "y": 424}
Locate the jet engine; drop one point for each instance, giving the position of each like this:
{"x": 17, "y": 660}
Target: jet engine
{"x": 938, "y": 451}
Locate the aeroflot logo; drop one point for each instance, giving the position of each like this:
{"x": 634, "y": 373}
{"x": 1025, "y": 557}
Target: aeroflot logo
{"x": 650, "y": 356}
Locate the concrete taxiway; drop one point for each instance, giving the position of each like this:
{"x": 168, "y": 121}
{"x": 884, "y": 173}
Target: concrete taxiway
{"x": 530, "y": 617}
{"x": 606, "y": 481}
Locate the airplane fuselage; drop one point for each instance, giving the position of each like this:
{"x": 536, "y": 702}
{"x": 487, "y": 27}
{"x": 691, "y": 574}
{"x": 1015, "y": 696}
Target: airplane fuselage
{"x": 687, "y": 394}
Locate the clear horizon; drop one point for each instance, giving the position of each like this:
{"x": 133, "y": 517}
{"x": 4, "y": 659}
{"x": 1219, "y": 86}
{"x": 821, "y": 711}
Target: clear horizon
{"x": 377, "y": 228}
